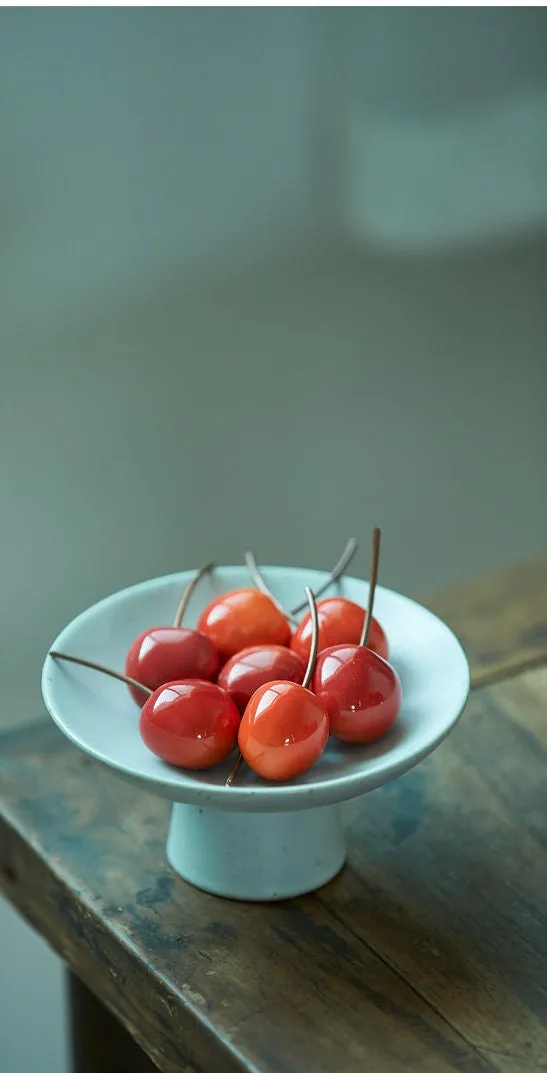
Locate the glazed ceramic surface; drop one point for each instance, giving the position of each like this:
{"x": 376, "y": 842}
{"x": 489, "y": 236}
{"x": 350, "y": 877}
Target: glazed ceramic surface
{"x": 98, "y": 714}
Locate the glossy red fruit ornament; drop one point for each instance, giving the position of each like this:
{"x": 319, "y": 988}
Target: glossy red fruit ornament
{"x": 192, "y": 724}
{"x": 167, "y": 653}
{"x": 242, "y": 618}
{"x": 340, "y": 622}
{"x": 245, "y": 672}
{"x": 284, "y": 728}
{"x": 359, "y": 689}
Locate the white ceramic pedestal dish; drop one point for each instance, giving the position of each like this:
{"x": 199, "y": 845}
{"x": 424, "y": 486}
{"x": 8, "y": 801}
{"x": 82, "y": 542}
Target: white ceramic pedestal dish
{"x": 257, "y": 840}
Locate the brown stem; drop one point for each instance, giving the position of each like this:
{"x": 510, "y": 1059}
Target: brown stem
{"x": 336, "y": 572}
{"x": 104, "y": 670}
{"x": 372, "y": 586}
{"x": 260, "y": 584}
{"x": 235, "y": 771}
{"x": 185, "y": 598}
{"x": 314, "y": 638}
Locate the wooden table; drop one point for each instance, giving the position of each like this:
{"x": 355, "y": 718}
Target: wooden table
{"x": 428, "y": 953}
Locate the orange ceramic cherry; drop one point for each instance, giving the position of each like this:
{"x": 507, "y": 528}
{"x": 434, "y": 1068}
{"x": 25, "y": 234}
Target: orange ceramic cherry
{"x": 283, "y": 731}
{"x": 242, "y": 675}
{"x": 242, "y": 618}
{"x": 340, "y": 622}
{"x": 284, "y": 728}
{"x": 192, "y": 724}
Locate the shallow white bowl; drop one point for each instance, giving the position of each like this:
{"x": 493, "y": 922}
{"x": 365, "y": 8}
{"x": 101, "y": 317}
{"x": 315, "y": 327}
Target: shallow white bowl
{"x": 215, "y": 828}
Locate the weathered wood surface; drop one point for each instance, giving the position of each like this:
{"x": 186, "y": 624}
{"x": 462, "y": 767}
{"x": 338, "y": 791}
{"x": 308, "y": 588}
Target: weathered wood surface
{"x": 448, "y": 875}
{"x": 429, "y": 952}
{"x": 99, "y": 1043}
{"x": 501, "y": 619}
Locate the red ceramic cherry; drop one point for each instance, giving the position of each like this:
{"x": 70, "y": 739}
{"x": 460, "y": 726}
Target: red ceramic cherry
{"x": 340, "y": 622}
{"x": 360, "y": 691}
{"x": 242, "y": 618}
{"x": 284, "y": 728}
{"x": 166, "y": 653}
{"x": 242, "y": 675}
{"x": 192, "y": 724}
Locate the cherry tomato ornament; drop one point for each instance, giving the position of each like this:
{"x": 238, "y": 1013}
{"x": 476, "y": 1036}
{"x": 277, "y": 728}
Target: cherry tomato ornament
{"x": 284, "y": 728}
{"x": 242, "y": 618}
{"x": 192, "y": 724}
{"x": 245, "y": 672}
{"x": 340, "y": 622}
{"x": 169, "y": 653}
{"x": 360, "y": 690}
{"x": 283, "y": 731}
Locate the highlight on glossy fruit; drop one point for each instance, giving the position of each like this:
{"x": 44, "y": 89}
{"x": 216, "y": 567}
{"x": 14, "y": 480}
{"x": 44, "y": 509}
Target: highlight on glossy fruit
{"x": 242, "y": 618}
{"x": 165, "y": 653}
{"x": 192, "y": 724}
{"x": 285, "y": 727}
{"x": 253, "y": 667}
{"x": 341, "y": 621}
{"x": 260, "y": 584}
{"x": 360, "y": 690}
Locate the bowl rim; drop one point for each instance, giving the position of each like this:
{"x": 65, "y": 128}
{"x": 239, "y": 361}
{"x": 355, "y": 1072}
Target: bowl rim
{"x": 180, "y": 785}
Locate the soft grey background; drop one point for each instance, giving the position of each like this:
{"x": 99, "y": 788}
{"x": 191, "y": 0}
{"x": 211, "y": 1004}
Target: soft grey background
{"x": 201, "y": 350}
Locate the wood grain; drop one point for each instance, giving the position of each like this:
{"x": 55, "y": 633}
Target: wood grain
{"x": 448, "y": 875}
{"x": 428, "y": 953}
{"x": 199, "y": 981}
{"x": 99, "y": 1043}
{"x": 500, "y": 618}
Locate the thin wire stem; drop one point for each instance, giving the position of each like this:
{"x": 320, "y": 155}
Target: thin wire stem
{"x": 104, "y": 670}
{"x": 260, "y": 584}
{"x": 376, "y": 535}
{"x": 235, "y": 771}
{"x": 185, "y": 598}
{"x": 336, "y": 572}
{"x": 314, "y": 638}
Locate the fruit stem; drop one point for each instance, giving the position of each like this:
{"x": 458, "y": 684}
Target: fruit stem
{"x": 336, "y": 572}
{"x": 104, "y": 670}
{"x": 260, "y": 584}
{"x": 185, "y": 598}
{"x": 314, "y": 638}
{"x": 372, "y": 585}
{"x": 235, "y": 771}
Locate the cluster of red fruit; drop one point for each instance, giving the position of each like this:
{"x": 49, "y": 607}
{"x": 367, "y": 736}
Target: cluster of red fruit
{"x": 242, "y": 677}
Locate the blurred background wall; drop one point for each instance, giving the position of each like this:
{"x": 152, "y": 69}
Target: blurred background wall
{"x": 267, "y": 277}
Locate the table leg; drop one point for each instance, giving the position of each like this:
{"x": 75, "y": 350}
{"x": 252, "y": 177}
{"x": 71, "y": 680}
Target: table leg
{"x": 99, "y": 1043}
